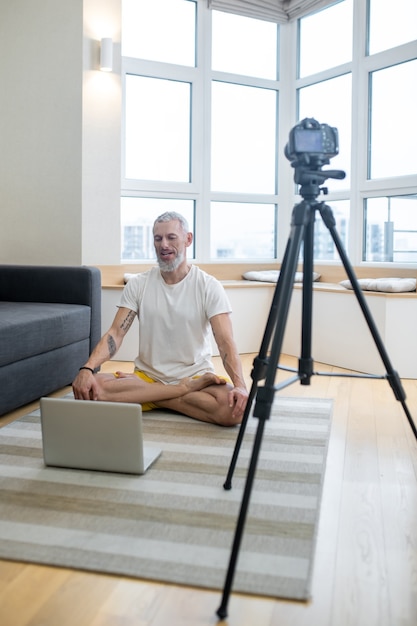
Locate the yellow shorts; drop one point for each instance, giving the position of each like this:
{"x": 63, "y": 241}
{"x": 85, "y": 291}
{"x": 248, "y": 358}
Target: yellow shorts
{"x": 147, "y": 406}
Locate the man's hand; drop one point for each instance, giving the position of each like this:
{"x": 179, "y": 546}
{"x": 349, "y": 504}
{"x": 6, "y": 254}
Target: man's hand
{"x": 85, "y": 386}
{"x": 238, "y": 397}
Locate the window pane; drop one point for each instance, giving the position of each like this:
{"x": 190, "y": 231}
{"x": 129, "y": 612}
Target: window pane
{"x": 242, "y": 45}
{"x": 326, "y": 39}
{"x": 157, "y": 129}
{"x": 391, "y": 24}
{"x": 329, "y": 102}
{"x": 391, "y": 229}
{"x": 137, "y": 218}
{"x": 242, "y": 231}
{"x": 324, "y": 248}
{"x": 160, "y": 30}
{"x": 393, "y": 131}
{"x": 243, "y": 139}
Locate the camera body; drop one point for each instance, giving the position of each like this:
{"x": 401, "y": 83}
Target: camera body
{"x": 312, "y": 142}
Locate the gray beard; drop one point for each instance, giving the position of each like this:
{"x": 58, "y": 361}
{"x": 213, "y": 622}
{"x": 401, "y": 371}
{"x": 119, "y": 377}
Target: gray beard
{"x": 173, "y": 265}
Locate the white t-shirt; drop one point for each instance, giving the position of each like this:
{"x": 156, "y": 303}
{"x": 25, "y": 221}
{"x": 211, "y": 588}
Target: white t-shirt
{"x": 174, "y": 322}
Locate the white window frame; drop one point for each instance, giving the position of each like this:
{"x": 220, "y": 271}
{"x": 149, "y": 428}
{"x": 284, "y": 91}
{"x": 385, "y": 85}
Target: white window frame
{"x": 287, "y": 85}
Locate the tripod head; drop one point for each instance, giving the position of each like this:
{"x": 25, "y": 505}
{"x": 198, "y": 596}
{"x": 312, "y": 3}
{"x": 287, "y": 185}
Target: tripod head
{"x": 310, "y": 146}
{"x": 310, "y": 180}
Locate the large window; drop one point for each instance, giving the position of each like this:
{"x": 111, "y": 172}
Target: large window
{"x": 209, "y": 100}
{"x": 200, "y": 130}
{"x": 390, "y": 215}
{"x": 370, "y": 98}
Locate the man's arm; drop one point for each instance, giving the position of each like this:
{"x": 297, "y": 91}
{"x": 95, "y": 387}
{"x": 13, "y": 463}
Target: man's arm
{"x": 223, "y": 334}
{"x": 84, "y": 386}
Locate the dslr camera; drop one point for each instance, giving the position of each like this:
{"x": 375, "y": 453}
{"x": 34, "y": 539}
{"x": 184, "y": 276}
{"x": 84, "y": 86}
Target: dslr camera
{"x": 312, "y": 142}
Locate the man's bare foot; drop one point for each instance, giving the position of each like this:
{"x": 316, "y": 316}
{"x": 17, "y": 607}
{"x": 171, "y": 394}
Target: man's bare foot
{"x": 196, "y": 384}
{"x": 124, "y": 375}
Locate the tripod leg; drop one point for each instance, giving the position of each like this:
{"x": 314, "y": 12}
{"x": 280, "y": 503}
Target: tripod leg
{"x": 265, "y": 395}
{"x": 257, "y": 374}
{"x": 222, "y": 610}
{"x": 392, "y": 376}
{"x": 305, "y": 366}
{"x": 302, "y": 216}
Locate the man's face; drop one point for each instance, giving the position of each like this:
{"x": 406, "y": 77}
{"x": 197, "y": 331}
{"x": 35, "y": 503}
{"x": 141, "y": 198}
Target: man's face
{"x": 170, "y": 243}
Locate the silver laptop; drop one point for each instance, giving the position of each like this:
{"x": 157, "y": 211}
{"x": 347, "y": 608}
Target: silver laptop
{"x": 94, "y": 435}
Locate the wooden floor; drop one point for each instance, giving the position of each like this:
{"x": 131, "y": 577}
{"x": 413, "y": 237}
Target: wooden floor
{"x": 365, "y": 571}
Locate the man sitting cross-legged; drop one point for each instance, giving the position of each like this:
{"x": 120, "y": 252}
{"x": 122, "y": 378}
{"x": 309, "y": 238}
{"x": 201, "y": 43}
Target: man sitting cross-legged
{"x": 176, "y": 304}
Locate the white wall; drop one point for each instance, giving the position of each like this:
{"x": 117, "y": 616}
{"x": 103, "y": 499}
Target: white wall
{"x": 59, "y": 133}
{"x": 101, "y": 137}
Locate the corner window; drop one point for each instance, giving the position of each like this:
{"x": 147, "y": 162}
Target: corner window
{"x": 209, "y": 98}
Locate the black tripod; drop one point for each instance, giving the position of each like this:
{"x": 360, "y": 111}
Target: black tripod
{"x": 265, "y": 367}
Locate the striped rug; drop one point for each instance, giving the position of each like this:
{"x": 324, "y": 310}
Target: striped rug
{"x": 176, "y": 523}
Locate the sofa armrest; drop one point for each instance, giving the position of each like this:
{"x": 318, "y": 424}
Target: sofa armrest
{"x": 66, "y": 284}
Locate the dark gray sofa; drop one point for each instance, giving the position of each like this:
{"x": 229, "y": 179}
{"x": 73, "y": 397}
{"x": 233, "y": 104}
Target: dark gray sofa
{"x": 50, "y": 320}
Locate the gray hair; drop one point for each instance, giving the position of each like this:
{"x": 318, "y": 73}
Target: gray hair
{"x": 168, "y": 216}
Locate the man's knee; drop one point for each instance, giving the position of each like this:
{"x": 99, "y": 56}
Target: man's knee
{"x": 224, "y": 417}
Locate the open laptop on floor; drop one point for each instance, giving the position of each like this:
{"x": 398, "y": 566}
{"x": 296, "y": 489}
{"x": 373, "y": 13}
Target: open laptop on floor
{"x": 94, "y": 435}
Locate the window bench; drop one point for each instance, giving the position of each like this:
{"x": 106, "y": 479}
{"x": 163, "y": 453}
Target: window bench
{"x": 340, "y": 335}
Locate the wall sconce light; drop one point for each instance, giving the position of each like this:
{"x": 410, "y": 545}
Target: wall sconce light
{"x": 106, "y": 54}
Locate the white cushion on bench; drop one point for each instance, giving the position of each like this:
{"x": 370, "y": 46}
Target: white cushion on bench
{"x": 389, "y": 285}
{"x": 271, "y": 276}
{"x": 127, "y": 277}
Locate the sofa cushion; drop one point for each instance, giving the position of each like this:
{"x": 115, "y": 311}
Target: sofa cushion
{"x": 29, "y": 328}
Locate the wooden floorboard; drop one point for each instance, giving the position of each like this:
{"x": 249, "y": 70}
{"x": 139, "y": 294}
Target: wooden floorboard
{"x": 365, "y": 570}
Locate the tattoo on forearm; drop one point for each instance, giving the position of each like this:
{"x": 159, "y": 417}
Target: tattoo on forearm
{"x": 111, "y": 344}
{"x": 232, "y": 368}
{"x": 128, "y": 321}
{"x": 224, "y": 358}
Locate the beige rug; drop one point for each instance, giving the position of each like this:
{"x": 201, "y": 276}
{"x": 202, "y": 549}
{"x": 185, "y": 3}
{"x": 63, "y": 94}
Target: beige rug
{"x": 176, "y": 523}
